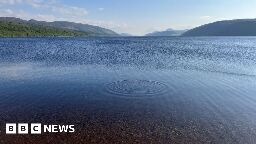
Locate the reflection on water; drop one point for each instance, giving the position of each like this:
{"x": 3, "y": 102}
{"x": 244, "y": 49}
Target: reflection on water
{"x": 128, "y": 90}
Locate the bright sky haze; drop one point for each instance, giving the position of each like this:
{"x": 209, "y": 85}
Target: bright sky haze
{"x": 136, "y": 17}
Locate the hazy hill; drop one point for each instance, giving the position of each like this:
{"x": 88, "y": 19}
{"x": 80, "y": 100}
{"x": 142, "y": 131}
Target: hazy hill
{"x": 93, "y": 30}
{"x": 168, "y": 32}
{"x": 242, "y": 27}
{"x": 70, "y": 26}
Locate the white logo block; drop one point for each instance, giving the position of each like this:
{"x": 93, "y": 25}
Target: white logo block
{"x": 10, "y": 128}
{"x": 22, "y": 128}
{"x": 36, "y": 128}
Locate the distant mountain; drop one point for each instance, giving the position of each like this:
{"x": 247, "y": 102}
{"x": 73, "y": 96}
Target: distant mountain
{"x": 242, "y": 27}
{"x": 64, "y": 25}
{"x": 168, "y": 32}
{"x": 125, "y": 34}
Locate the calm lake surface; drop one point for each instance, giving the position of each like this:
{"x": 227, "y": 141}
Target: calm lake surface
{"x": 131, "y": 90}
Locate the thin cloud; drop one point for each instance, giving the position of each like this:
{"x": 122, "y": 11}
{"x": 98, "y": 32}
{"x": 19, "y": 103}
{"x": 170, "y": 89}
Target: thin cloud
{"x": 49, "y": 5}
{"x": 25, "y": 15}
{"x": 10, "y": 2}
{"x": 101, "y": 9}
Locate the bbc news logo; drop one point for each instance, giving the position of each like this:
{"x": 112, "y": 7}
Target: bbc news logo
{"x": 37, "y": 128}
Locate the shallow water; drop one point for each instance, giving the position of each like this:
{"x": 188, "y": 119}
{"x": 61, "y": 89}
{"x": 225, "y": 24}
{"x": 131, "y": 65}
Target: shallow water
{"x": 131, "y": 90}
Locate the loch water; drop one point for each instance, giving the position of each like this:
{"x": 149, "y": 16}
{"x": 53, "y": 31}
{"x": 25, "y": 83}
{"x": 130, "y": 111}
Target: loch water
{"x": 131, "y": 89}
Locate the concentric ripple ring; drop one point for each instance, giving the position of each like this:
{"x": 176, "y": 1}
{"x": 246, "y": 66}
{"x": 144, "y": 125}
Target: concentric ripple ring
{"x": 136, "y": 88}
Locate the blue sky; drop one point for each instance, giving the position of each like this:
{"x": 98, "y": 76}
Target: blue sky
{"x": 131, "y": 16}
